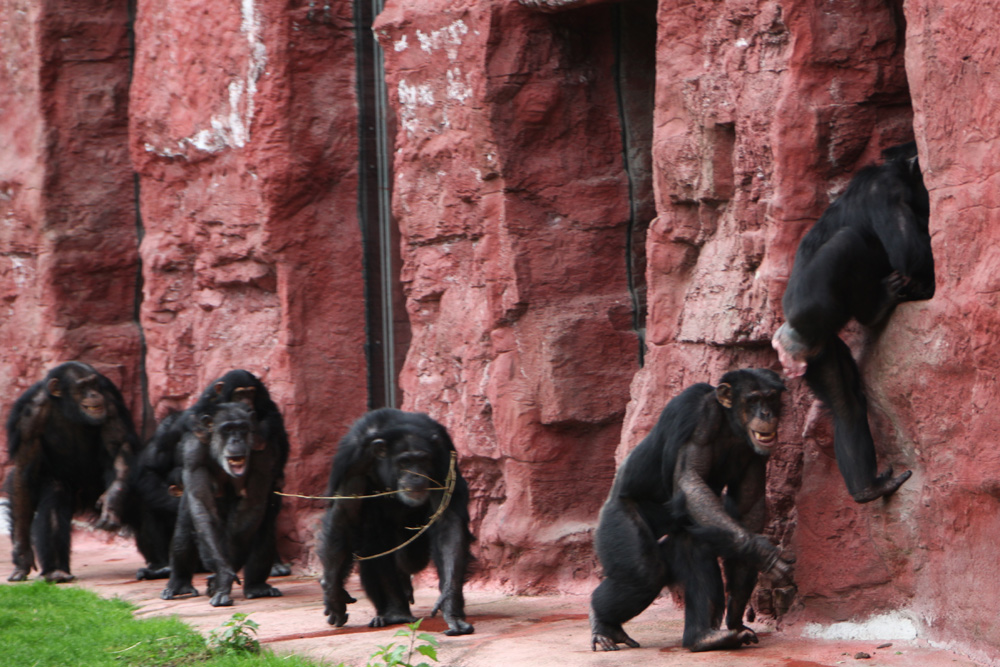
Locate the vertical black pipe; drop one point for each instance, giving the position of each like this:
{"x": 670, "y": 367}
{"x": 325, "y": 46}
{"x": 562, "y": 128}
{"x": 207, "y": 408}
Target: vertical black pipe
{"x": 380, "y": 237}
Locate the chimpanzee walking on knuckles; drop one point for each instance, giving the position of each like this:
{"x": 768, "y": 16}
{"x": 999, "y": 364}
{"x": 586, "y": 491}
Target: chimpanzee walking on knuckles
{"x": 71, "y": 440}
{"x": 408, "y": 455}
{"x": 226, "y": 515}
{"x": 691, "y": 492}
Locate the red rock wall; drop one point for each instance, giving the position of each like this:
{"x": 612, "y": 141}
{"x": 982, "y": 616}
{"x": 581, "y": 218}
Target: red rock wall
{"x": 513, "y": 207}
{"x": 67, "y": 231}
{"x": 556, "y": 166}
{"x": 244, "y": 135}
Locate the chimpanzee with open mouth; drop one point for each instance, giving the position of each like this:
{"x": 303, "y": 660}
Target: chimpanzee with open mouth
{"x": 230, "y": 474}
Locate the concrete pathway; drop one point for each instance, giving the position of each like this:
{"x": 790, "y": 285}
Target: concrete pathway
{"x": 510, "y": 631}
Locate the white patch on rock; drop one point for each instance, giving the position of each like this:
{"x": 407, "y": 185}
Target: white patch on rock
{"x": 400, "y": 44}
{"x": 458, "y": 89}
{"x": 448, "y": 38}
{"x": 411, "y": 97}
{"x": 893, "y": 625}
{"x": 231, "y": 129}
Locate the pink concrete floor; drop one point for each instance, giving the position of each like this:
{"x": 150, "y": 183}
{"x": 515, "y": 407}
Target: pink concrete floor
{"x": 510, "y": 631}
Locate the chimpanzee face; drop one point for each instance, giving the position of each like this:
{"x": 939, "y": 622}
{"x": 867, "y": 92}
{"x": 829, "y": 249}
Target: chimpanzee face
{"x": 86, "y": 403}
{"x": 753, "y": 397}
{"x": 232, "y": 437}
{"x": 760, "y": 410}
{"x": 407, "y": 465}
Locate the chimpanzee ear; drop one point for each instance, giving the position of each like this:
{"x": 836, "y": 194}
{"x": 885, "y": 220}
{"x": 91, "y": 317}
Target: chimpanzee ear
{"x": 259, "y": 443}
{"x": 379, "y": 448}
{"x": 53, "y": 388}
{"x": 724, "y": 394}
{"x": 206, "y": 422}
{"x": 219, "y": 386}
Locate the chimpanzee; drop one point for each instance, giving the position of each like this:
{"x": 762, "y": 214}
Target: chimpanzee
{"x": 71, "y": 439}
{"x": 408, "y": 453}
{"x": 156, "y": 481}
{"x": 870, "y": 250}
{"x": 691, "y": 492}
{"x": 155, "y": 488}
{"x": 226, "y": 515}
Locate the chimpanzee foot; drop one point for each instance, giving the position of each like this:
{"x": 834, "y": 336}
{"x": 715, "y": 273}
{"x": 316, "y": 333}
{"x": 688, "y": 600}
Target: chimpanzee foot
{"x": 19, "y": 574}
{"x": 608, "y": 637}
{"x": 884, "y": 485}
{"x": 792, "y": 351}
{"x": 280, "y": 570}
{"x": 173, "y": 591}
{"x": 458, "y": 626}
{"x": 391, "y": 619}
{"x": 144, "y": 573}
{"x": 57, "y": 577}
{"x": 221, "y": 600}
{"x": 261, "y": 591}
{"x": 721, "y": 640}
{"x": 337, "y": 620}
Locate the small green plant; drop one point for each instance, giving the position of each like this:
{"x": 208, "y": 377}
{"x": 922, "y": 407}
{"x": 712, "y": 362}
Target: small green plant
{"x": 391, "y": 655}
{"x": 237, "y": 635}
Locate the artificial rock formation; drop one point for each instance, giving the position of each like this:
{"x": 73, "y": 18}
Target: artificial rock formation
{"x": 598, "y": 204}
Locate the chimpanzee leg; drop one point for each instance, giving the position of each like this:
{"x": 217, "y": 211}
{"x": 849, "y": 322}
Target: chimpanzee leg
{"x": 634, "y": 574}
{"x": 741, "y": 578}
{"x": 615, "y": 601}
{"x": 696, "y": 567}
{"x": 834, "y": 377}
{"x": 152, "y": 538}
{"x": 183, "y": 556}
{"x": 450, "y": 549}
{"x": 50, "y": 532}
{"x": 23, "y": 504}
{"x": 260, "y": 558}
{"x": 384, "y": 583}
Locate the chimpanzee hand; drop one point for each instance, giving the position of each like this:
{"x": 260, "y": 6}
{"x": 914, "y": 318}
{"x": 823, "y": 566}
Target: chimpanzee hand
{"x": 220, "y": 587}
{"x": 782, "y": 571}
{"x": 110, "y": 504}
{"x": 769, "y": 560}
{"x": 336, "y": 614}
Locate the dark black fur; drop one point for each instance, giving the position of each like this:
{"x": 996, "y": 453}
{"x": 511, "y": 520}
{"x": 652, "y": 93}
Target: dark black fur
{"x": 869, "y": 251}
{"x": 158, "y": 469}
{"x": 226, "y": 515}
{"x": 65, "y": 461}
{"x": 692, "y": 491}
{"x": 382, "y": 451}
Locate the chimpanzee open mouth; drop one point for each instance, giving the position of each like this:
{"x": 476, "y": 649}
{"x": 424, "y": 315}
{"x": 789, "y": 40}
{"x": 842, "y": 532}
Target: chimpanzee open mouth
{"x": 237, "y": 465}
{"x": 764, "y": 439}
{"x": 96, "y": 411}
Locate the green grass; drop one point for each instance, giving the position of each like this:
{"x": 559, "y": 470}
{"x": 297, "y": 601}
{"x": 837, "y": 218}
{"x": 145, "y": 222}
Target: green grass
{"x": 44, "y": 625}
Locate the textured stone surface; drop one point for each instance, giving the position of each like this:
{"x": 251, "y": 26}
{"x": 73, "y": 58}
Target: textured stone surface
{"x": 244, "y": 135}
{"x": 556, "y": 166}
{"x": 67, "y": 229}
{"x": 513, "y": 206}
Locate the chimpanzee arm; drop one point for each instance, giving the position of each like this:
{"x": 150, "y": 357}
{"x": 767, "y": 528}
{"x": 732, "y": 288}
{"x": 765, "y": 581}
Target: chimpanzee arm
{"x": 24, "y": 433}
{"x": 903, "y": 230}
{"x": 703, "y": 506}
{"x": 706, "y": 509}
{"x": 201, "y": 505}
{"x": 205, "y": 516}
{"x": 117, "y": 439}
{"x": 692, "y": 468}
{"x": 339, "y": 524}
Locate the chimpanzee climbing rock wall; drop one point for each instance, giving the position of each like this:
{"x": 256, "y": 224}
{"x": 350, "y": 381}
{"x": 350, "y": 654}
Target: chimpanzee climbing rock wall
{"x": 599, "y": 204}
